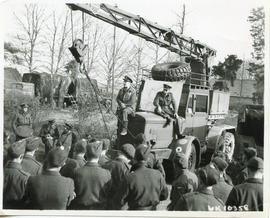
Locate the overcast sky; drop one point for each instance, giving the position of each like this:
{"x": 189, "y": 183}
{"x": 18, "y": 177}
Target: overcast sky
{"x": 221, "y": 24}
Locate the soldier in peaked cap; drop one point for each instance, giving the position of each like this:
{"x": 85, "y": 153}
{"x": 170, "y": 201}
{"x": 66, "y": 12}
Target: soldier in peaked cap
{"x": 144, "y": 188}
{"x": 92, "y": 182}
{"x": 221, "y": 189}
{"x": 50, "y": 190}
{"x": 15, "y": 178}
{"x": 185, "y": 180}
{"x": 248, "y": 196}
{"x": 203, "y": 199}
{"x": 49, "y": 134}
{"x": 29, "y": 163}
{"x": 22, "y": 123}
{"x": 126, "y": 100}
{"x": 165, "y": 104}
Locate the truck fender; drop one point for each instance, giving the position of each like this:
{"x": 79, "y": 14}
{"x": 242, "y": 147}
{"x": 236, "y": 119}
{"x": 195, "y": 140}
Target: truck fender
{"x": 184, "y": 145}
{"x": 215, "y": 133}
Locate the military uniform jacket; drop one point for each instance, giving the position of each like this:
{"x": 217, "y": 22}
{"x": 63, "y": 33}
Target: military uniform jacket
{"x": 50, "y": 190}
{"x": 31, "y": 165}
{"x": 164, "y": 101}
{"x": 202, "y": 200}
{"x": 222, "y": 190}
{"x": 80, "y": 161}
{"x": 144, "y": 188}
{"x": 127, "y": 96}
{"x": 248, "y": 194}
{"x": 92, "y": 187}
{"x": 186, "y": 182}
{"x": 22, "y": 119}
{"x": 15, "y": 180}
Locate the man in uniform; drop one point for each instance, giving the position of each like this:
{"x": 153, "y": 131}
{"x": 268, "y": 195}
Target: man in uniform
{"x": 185, "y": 182}
{"x": 67, "y": 139}
{"x": 15, "y": 178}
{"x": 248, "y": 196}
{"x": 22, "y": 123}
{"x": 221, "y": 189}
{"x": 203, "y": 199}
{"x": 49, "y": 134}
{"x": 29, "y": 163}
{"x": 165, "y": 104}
{"x": 144, "y": 188}
{"x": 92, "y": 183}
{"x": 80, "y": 149}
{"x": 50, "y": 190}
{"x": 126, "y": 100}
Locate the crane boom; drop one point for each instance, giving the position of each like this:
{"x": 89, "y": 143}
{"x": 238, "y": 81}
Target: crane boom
{"x": 137, "y": 25}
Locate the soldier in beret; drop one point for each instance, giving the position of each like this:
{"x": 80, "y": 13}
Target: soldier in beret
{"x": 49, "y": 134}
{"x": 92, "y": 183}
{"x": 185, "y": 180}
{"x": 29, "y": 163}
{"x": 165, "y": 104}
{"x": 15, "y": 178}
{"x": 221, "y": 189}
{"x": 248, "y": 196}
{"x": 144, "y": 188}
{"x": 22, "y": 123}
{"x": 248, "y": 153}
{"x": 126, "y": 100}
{"x": 203, "y": 199}
{"x": 50, "y": 190}
{"x": 119, "y": 169}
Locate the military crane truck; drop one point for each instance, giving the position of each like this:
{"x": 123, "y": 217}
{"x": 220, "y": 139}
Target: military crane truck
{"x": 201, "y": 124}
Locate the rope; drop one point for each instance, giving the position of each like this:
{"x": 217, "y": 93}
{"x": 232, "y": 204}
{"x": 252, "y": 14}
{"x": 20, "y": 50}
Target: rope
{"x": 83, "y": 23}
{"x": 71, "y": 19}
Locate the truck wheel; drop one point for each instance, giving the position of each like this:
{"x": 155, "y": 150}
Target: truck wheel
{"x": 173, "y": 71}
{"x": 192, "y": 158}
{"x": 227, "y": 144}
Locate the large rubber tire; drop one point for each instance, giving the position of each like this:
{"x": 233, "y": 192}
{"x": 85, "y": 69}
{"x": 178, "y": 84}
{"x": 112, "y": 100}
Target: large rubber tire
{"x": 192, "y": 158}
{"x": 227, "y": 144}
{"x": 173, "y": 71}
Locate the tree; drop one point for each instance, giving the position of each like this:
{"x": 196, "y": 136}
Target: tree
{"x": 227, "y": 70}
{"x": 32, "y": 24}
{"x": 256, "y": 67}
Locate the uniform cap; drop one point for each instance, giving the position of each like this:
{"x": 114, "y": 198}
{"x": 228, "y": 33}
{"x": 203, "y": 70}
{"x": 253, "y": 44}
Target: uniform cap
{"x": 220, "y": 163}
{"x": 24, "y": 105}
{"x": 17, "y": 148}
{"x": 250, "y": 152}
{"x": 181, "y": 160}
{"x": 94, "y": 149}
{"x": 140, "y": 139}
{"x": 128, "y": 150}
{"x": 142, "y": 152}
{"x": 69, "y": 126}
{"x": 255, "y": 163}
{"x": 32, "y": 143}
{"x": 80, "y": 146}
{"x": 57, "y": 156}
{"x": 166, "y": 86}
{"x": 208, "y": 176}
{"x": 127, "y": 79}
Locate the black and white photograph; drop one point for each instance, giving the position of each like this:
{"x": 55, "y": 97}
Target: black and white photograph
{"x": 120, "y": 106}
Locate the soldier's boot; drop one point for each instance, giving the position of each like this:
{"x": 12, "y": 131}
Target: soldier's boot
{"x": 168, "y": 121}
{"x": 124, "y": 129}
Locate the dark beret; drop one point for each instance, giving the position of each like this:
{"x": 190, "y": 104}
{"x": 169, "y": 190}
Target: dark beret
{"x": 142, "y": 152}
{"x": 93, "y": 149}
{"x": 127, "y": 79}
{"x": 17, "y": 148}
{"x": 255, "y": 163}
{"x": 181, "y": 160}
{"x": 208, "y": 176}
{"x": 220, "y": 163}
{"x": 57, "y": 156}
{"x": 250, "y": 152}
{"x": 32, "y": 143}
{"x": 128, "y": 150}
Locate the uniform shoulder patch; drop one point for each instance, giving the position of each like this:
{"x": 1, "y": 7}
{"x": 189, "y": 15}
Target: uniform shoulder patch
{"x": 24, "y": 173}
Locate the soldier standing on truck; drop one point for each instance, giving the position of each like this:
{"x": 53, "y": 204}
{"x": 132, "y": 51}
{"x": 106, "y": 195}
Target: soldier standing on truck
{"x": 126, "y": 100}
{"x": 165, "y": 104}
{"x": 22, "y": 123}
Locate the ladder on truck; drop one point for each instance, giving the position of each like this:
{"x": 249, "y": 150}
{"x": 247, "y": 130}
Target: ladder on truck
{"x": 153, "y": 32}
